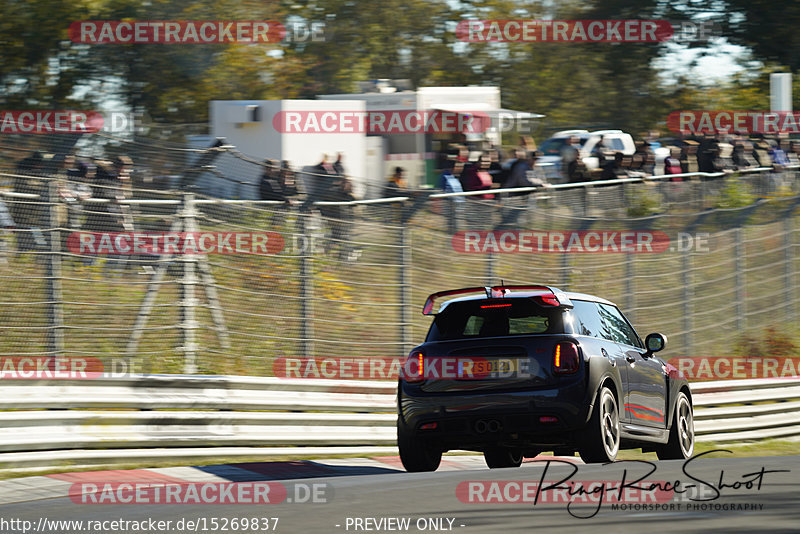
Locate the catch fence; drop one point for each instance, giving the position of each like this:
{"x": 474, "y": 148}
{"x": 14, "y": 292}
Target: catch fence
{"x": 349, "y": 278}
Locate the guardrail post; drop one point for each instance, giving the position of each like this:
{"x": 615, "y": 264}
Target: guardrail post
{"x": 788, "y": 261}
{"x": 55, "y": 296}
{"x": 738, "y": 252}
{"x": 688, "y": 295}
{"x": 306, "y": 290}
{"x": 188, "y": 283}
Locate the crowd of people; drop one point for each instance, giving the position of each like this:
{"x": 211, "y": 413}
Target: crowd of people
{"x": 691, "y": 154}
{"x": 67, "y": 182}
{"x": 325, "y": 188}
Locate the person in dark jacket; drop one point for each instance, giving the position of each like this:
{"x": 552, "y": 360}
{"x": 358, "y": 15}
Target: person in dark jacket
{"x": 269, "y": 186}
{"x": 30, "y": 215}
{"x": 396, "y": 186}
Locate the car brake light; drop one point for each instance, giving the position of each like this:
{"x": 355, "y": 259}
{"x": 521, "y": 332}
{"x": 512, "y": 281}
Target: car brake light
{"x": 566, "y": 358}
{"x": 429, "y": 426}
{"x": 414, "y": 368}
{"x": 484, "y": 306}
{"x": 548, "y": 300}
{"x": 548, "y": 419}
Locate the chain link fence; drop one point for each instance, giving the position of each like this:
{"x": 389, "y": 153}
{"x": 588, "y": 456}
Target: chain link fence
{"x": 347, "y": 279}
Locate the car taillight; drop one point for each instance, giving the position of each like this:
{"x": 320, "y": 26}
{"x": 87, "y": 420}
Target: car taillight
{"x": 547, "y": 300}
{"x": 413, "y": 370}
{"x": 565, "y": 358}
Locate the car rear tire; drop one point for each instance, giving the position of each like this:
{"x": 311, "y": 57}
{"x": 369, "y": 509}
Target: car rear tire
{"x": 681, "y": 435}
{"x": 498, "y": 457}
{"x": 600, "y": 441}
{"x": 416, "y": 456}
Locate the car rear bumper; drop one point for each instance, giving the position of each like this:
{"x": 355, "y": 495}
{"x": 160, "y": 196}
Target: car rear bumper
{"x": 527, "y": 418}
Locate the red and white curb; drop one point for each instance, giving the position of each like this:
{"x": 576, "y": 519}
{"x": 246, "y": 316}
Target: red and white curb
{"x": 62, "y": 484}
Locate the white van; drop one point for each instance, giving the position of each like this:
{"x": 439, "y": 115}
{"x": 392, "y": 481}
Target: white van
{"x": 550, "y": 150}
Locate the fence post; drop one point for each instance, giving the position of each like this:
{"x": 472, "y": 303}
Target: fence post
{"x": 306, "y": 290}
{"x": 55, "y": 296}
{"x": 702, "y": 188}
{"x": 490, "y": 276}
{"x": 188, "y": 284}
{"x": 565, "y": 280}
{"x": 630, "y": 298}
{"x": 586, "y": 201}
{"x": 688, "y": 308}
{"x": 788, "y": 260}
{"x": 738, "y": 251}
{"x": 404, "y": 249}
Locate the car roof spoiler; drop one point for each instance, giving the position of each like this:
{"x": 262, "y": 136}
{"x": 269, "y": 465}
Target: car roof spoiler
{"x": 558, "y": 298}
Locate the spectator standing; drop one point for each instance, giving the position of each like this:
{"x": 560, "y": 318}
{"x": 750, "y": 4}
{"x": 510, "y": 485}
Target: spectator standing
{"x": 30, "y": 215}
{"x": 571, "y": 159}
{"x": 477, "y": 178}
{"x": 269, "y": 186}
{"x": 396, "y": 186}
{"x": 614, "y": 168}
{"x": 496, "y": 171}
{"x": 331, "y": 185}
{"x": 672, "y": 164}
{"x": 742, "y": 157}
{"x": 450, "y": 183}
{"x": 521, "y": 175}
{"x": 688, "y": 156}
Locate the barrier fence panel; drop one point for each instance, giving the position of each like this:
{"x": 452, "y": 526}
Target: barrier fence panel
{"x": 320, "y": 279}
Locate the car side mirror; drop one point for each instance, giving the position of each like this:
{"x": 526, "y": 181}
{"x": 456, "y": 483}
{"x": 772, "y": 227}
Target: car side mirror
{"x": 655, "y": 342}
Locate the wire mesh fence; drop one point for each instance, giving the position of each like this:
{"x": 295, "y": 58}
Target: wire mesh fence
{"x": 341, "y": 279}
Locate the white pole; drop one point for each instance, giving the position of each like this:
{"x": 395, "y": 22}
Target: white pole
{"x": 780, "y": 91}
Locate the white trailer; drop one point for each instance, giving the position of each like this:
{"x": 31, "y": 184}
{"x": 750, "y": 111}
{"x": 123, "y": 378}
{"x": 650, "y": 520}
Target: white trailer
{"x": 251, "y": 126}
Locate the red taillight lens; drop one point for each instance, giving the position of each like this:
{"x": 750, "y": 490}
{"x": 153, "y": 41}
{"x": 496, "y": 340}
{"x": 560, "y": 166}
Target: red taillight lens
{"x": 547, "y": 300}
{"x": 414, "y": 368}
{"x": 566, "y": 358}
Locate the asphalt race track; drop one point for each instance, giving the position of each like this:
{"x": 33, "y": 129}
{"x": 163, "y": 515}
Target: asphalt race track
{"x": 739, "y": 495}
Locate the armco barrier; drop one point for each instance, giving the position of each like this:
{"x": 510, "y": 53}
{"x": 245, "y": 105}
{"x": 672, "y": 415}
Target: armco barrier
{"x": 76, "y": 419}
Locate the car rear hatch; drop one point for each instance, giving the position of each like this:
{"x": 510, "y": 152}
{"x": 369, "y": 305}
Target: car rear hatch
{"x": 492, "y": 344}
{"x": 492, "y": 363}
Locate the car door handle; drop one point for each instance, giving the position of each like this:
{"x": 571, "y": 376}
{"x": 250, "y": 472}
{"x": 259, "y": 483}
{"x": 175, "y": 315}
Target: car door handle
{"x": 630, "y": 359}
{"x": 611, "y": 360}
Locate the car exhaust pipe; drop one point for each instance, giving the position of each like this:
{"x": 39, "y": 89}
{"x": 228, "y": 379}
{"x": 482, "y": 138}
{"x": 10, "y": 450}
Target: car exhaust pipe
{"x": 492, "y": 425}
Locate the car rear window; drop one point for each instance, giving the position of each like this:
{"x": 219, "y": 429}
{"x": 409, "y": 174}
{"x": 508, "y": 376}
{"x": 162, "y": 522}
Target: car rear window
{"x": 493, "y": 318}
